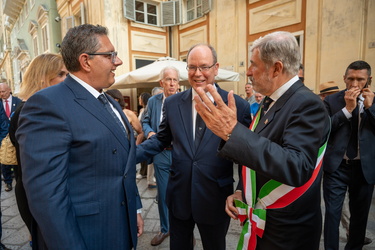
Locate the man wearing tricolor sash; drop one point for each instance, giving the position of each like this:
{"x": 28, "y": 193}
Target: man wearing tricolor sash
{"x": 278, "y": 197}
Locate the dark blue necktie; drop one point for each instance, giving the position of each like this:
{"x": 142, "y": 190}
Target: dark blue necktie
{"x": 108, "y": 107}
{"x": 352, "y": 149}
{"x": 200, "y": 127}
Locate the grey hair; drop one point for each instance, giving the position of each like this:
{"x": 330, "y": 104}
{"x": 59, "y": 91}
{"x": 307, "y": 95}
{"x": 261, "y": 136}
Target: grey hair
{"x": 279, "y": 46}
{"x": 162, "y": 72}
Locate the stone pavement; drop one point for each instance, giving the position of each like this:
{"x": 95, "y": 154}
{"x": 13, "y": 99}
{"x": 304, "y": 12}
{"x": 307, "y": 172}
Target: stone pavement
{"x": 15, "y": 234}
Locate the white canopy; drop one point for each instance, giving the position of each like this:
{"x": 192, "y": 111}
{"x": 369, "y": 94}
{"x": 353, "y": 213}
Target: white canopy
{"x": 148, "y": 76}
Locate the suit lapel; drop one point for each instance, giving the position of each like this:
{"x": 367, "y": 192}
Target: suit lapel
{"x": 208, "y": 133}
{"x": 186, "y": 113}
{"x": 269, "y": 116}
{"x": 87, "y": 101}
{"x": 158, "y": 109}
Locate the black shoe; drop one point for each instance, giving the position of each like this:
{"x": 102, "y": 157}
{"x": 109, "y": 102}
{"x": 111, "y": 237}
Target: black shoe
{"x": 367, "y": 241}
{"x": 8, "y": 187}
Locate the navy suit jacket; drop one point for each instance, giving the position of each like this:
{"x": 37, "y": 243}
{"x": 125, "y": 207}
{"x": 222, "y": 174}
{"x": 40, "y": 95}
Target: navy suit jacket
{"x": 78, "y": 169}
{"x": 284, "y": 147}
{"x": 4, "y": 120}
{"x": 340, "y": 135}
{"x": 199, "y": 181}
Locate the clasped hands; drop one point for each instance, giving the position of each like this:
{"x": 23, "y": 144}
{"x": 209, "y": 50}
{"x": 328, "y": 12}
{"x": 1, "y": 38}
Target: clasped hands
{"x": 352, "y": 94}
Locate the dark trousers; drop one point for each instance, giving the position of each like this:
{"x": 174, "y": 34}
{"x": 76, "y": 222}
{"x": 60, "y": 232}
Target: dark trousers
{"x": 7, "y": 173}
{"x": 182, "y": 232}
{"x": 349, "y": 177}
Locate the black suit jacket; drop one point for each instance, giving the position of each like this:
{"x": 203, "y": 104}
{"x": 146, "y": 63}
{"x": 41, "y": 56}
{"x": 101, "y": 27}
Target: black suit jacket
{"x": 200, "y": 180}
{"x": 340, "y": 135}
{"x": 284, "y": 147}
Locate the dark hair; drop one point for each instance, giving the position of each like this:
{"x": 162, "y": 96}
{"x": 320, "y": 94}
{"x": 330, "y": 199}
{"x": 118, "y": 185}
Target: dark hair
{"x": 116, "y": 94}
{"x": 358, "y": 65}
{"x": 213, "y": 51}
{"x": 78, "y": 40}
{"x": 144, "y": 97}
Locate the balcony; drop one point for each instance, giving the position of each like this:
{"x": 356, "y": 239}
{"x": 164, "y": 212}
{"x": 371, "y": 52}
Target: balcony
{"x": 12, "y": 8}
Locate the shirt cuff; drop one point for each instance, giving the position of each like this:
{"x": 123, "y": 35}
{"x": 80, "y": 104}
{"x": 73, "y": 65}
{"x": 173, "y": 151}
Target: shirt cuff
{"x": 346, "y": 113}
{"x": 139, "y": 211}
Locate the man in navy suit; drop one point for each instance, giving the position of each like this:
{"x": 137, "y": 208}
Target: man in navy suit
{"x": 199, "y": 180}
{"x": 350, "y": 160}
{"x": 281, "y": 152}
{"x": 9, "y": 105}
{"x": 78, "y": 152}
{"x": 169, "y": 79}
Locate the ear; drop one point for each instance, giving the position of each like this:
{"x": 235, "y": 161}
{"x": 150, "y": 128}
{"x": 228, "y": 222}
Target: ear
{"x": 216, "y": 69}
{"x": 84, "y": 61}
{"x": 278, "y": 68}
{"x": 161, "y": 83}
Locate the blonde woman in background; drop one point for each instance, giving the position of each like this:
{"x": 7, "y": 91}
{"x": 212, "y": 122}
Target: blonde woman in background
{"x": 45, "y": 70}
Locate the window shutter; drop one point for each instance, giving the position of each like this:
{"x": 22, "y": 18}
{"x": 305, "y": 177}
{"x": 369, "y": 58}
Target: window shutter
{"x": 177, "y": 12}
{"x": 206, "y": 6}
{"x": 167, "y": 13}
{"x": 129, "y": 9}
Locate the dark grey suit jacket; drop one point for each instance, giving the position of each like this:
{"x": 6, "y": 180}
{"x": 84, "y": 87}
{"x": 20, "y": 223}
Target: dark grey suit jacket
{"x": 284, "y": 147}
{"x": 340, "y": 135}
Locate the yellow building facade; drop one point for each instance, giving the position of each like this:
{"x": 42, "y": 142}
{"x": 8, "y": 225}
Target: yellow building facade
{"x": 331, "y": 34}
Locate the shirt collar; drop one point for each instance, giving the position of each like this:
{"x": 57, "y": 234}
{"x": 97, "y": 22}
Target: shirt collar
{"x": 280, "y": 91}
{"x": 194, "y": 93}
{"x": 89, "y": 88}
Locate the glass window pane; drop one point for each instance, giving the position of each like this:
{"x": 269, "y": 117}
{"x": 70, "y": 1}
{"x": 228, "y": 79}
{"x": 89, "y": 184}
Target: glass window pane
{"x": 190, "y": 4}
{"x": 199, "y": 2}
{"x": 140, "y": 17}
{"x": 199, "y": 11}
{"x": 190, "y": 15}
{"x": 139, "y": 6}
{"x": 151, "y": 19}
{"x": 151, "y": 9}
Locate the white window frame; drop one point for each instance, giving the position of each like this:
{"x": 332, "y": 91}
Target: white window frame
{"x": 169, "y": 13}
{"x": 145, "y": 13}
{"x": 45, "y": 38}
{"x": 43, "y": 23}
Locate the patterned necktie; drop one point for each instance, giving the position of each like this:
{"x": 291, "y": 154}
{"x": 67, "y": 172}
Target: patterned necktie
{"x": 200, "y": 127}
{"x": 108, "y": 107}
{"x": 352, "y": 149}
{"x": 7, "y": 109}
{"x": 265, "y": 105}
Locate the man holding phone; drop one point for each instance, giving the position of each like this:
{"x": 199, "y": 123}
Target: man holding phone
{"x": 350, "y": 156}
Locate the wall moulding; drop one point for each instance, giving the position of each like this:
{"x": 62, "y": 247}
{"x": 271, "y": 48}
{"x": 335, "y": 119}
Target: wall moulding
{"x": 147, "y": 42}
{"x": 191, "y": 37}
{"x": 274, "y": 15}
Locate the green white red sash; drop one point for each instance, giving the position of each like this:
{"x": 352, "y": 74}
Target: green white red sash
{"x": 272, "y": 195}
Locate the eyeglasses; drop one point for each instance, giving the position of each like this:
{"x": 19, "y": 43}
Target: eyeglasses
{"x": 112, "y": 54}
{"x": 192, "y": 69}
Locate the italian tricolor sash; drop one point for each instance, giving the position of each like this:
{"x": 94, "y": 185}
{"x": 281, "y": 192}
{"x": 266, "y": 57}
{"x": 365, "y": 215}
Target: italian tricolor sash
{"x": 272, "y": 195}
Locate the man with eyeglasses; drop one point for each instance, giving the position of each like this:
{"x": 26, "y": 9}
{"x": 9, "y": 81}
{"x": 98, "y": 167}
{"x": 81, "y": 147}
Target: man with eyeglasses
{"x": 169, "y": 81}
{"x": 78, "y": 151}
{"x": 199, "y": 180}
